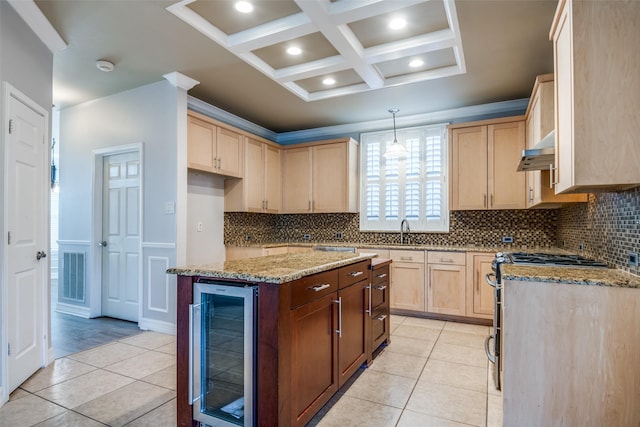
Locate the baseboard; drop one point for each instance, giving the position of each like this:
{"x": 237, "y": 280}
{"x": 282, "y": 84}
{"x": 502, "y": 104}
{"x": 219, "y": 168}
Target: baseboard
{"x": 3, "y": 397}
{"x": 74, "y": 310}
{"x": 157, "y": 326}
{"x": 51, "y": 355}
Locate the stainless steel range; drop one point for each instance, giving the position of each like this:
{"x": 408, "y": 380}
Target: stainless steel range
{"x": 494, "y": 279}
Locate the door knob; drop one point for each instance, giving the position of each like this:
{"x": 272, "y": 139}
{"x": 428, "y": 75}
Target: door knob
{"x": 103, "y": 244}
{"x": 40, "y": 255}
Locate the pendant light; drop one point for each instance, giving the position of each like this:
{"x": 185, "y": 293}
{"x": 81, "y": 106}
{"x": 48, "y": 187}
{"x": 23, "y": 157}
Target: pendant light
{"x": 395, "y": 150}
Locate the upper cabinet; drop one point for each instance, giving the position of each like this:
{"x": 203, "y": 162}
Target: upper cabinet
{"x": 213, "y": 148}
{"x": 261, "y": 188}
{"x": 597, "y": 84}
{"x": 539, "y": 123}
{"x": 484, "y": 158}
{"x": 320, "y": 177}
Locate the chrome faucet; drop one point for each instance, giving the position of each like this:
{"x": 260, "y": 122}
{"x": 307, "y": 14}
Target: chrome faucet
{"x": 403, "y": 230}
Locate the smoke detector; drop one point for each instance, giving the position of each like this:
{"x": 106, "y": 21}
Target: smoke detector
{"x": 104, "y": 65}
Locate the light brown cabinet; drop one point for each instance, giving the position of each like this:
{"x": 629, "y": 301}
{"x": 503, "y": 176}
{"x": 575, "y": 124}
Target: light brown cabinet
{"x": 480, "y": 297}
{"x": 539, "y": 123}
{"x": 407, "y": 280}
{"x": 320, "y": 177}
{"x": 214, "y": 149}
{"x": 261, "y": 188}
{"x": 484, "y": 159}
{"x": 596, "y": 64}
{"x": 446, "y": 283}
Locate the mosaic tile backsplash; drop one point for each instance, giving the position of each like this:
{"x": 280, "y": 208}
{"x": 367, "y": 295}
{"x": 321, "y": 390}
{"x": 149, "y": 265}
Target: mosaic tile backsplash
{"x": 608, "y": 226}
{"x": 535, "y": 228}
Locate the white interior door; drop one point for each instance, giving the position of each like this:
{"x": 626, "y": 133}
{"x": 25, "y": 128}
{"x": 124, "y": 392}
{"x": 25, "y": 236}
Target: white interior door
{"x": 26, "y": 241}
{"x": 121, "y": 236}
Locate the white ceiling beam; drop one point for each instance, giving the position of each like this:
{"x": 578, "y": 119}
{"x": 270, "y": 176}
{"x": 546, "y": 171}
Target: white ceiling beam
{"x": 198, "y": 22}
{"x": 431, "y": 42}
{"x": 271, "y": 33}
{"x": 311, "y": 69}
{"x": 436, "y": 73}
{"x": 343, "y": 39}
{"x": 340, "y": 91}
{"x": 344, "y": 12}
{"x": 39, "y": 24}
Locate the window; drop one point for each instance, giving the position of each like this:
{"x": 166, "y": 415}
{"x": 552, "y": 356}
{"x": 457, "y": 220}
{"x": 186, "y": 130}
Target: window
{"x": 414, "y": 188}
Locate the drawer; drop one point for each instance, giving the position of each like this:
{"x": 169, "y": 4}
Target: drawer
{"x": 442, "y": 257}
{"x": 313, "y": 287}
{"x": 380, "y": 275}
{"x": 380, "y": 325}
{"x": 407, "y": 256}
{"x": 353, "y": 273}
{"x": 379, "y": 294}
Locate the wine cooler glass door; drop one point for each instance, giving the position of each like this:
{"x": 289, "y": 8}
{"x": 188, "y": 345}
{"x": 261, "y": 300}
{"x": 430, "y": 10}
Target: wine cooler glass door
{"x": 223, "y": 354}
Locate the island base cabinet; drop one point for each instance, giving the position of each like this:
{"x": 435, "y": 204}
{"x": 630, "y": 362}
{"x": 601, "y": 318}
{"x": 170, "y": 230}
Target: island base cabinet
{"x": 353, "y": 327}
{"x": 314, "y": 350}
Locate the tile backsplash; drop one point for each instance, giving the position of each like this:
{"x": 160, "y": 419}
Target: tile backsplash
{"x": 535, "y": 228}
{"x": 608, "y": 227}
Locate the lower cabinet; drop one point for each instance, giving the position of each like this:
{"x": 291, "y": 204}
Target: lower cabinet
{"x": 446, "y": 283}
{"x": 379, "y": 306}
{"x": 407, "y": 280}
{"x": 480, "y": 296}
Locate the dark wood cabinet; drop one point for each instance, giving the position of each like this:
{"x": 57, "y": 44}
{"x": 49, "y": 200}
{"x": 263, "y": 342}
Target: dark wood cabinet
{"x": 352, "y": 341}
{"x": 314, "y": 349}
{"x": 380, "y": 293}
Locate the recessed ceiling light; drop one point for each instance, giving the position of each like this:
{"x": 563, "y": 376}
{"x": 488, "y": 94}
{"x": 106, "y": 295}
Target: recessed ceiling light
{"x": 329, "y": 81}
{"x": 104, "y": 65}
{"x": 397, "y": 23}
{"x": 244, "y": 7}
{"x": 415, "y": 63}
{"x": 294, "y": 50}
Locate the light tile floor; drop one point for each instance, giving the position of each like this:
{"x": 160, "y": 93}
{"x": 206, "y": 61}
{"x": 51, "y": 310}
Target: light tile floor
{"x": 434, "y": 373}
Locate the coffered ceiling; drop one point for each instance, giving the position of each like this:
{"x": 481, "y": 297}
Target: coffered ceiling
{"x": 472, "y": 51}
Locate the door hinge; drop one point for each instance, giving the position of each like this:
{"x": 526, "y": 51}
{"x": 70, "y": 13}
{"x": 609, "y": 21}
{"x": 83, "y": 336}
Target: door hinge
{"x": 8, "y": 349}
{"x": 8, "y": 237}
{"x": 10, "y": 125}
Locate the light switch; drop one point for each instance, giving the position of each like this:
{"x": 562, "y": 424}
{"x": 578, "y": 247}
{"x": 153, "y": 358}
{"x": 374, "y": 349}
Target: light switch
{"x": 199, "y": 226}
{"x": 169, "y": 208}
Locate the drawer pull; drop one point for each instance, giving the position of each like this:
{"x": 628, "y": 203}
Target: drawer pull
{"x": 381, "y": 317}
{"x": 318, "y": 288}
{"x": 382, "y": 276}
{"x": 406, "y": 258}
{"x": 381, "y": 287}
{"x": 356, "y": 273}
{"x": 446, "y": 259}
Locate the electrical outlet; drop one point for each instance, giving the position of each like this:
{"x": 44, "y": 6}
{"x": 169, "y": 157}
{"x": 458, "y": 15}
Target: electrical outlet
{"x": 633, "y": 258}
{"x": 338, "y": 236}
{"x": 581, "y": 247}
{"x": 247, "y": 237}
{"x": 507, "y": 239}
{"x": 307, "y": 237}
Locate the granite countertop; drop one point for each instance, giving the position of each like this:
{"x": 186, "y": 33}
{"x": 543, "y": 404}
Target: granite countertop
{"x": 571, "y": 275}
{"x": 273, "y": 268}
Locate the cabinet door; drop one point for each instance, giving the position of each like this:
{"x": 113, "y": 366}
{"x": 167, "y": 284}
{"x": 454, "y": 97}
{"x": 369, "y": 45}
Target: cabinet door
{"x": 296, "y": 177}
{"x": 254, "y": 176}
{"x": 201, "y": 141}
{"x": 229, "y": 152}
{"x": 480, "y": 300}
{"x": 469, "y": 168}
{"x": 272, "y": 179}
{"x": 314, "y": 350}
{"x": 407, "y": 282}
{"x": 506, "y": 185}
{"x": 330, "y": 178}
{"x": 446, "y": 291}
{"x": 352, "y": 344}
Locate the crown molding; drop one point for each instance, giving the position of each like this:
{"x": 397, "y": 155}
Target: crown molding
{"x": 181, "y": 81}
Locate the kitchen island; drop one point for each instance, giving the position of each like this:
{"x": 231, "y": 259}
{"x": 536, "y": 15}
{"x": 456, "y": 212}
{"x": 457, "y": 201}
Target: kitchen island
{"x": 312, "y": 329}
{"x": 571, "y": 346}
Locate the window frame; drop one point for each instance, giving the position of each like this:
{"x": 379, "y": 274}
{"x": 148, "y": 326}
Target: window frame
{"x": 382, "y": 138}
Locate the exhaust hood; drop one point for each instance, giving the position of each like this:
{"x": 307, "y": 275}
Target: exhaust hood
{"x": 541, "y": 156}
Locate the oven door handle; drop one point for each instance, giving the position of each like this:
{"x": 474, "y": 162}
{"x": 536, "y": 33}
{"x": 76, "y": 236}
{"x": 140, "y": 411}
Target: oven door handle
{"x": 489, "y": 281}
{"x": 491, "y": 357}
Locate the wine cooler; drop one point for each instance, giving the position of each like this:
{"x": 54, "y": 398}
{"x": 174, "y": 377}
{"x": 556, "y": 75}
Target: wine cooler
{"x": 222, "y": 354}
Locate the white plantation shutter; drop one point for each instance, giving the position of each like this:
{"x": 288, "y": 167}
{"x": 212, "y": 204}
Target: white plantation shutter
{"x": 413, "y": 188}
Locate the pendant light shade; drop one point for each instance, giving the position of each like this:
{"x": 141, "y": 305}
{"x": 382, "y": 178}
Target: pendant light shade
{"x": 395, "y": 150}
